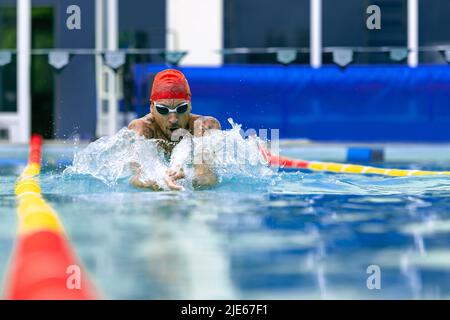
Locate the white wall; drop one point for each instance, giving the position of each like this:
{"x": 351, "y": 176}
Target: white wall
{"x": 196, "y": 26}
{"x": 23, "y": 70}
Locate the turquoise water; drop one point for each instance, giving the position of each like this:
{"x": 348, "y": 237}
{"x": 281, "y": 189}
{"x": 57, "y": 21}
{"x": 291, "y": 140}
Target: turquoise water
{"x": 257, "y": 234}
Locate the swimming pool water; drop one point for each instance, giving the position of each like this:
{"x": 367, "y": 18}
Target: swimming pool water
{"x": 294, "y": 235}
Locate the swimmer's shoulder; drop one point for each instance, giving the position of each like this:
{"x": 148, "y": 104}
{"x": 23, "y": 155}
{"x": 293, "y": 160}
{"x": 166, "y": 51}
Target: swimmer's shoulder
{"x": 194, "y": 117}
{"x": 144, "y": 126}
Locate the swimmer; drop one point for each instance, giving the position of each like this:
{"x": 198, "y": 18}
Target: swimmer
{"x": 170, "y": 116}
{"x": 205, "y": 125}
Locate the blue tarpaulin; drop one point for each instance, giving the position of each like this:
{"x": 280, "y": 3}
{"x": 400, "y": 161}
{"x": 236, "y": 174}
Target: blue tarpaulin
{"x": 360, "y": 103}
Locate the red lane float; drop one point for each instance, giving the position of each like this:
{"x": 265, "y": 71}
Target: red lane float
{"x": 43, "y": 265}
{"x": 279, "y": 161}
{"x": 41, "y": 270}
{"x": 35, "y": 149}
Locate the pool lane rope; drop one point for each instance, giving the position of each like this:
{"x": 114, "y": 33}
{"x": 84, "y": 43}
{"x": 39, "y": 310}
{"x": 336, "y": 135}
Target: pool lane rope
{"x": 43, "y": 265}
{"x": 288, "y": 163}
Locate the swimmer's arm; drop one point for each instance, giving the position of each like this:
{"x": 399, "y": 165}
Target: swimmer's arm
{"x": 204, "y": 175}
{"x": 142, "y": 126}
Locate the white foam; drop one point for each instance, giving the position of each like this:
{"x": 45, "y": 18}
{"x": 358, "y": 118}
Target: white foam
{"x": 227, "y": 152}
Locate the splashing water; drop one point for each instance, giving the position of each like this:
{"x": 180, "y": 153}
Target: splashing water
{"x": 234, "y": 159}
{"x": 110, "y": 159}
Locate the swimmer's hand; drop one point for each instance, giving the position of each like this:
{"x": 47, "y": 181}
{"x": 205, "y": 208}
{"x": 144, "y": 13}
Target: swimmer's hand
{"x": 136, "y": 179}
{"x": 149, "y": 184}
{"x": 204, "y": 177}
{"x": 205, "y": 125}
{"x": 172, "y": 175}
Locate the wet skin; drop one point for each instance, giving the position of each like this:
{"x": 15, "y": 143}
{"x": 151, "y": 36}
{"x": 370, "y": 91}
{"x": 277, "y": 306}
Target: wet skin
{"x": 166, "y": 129}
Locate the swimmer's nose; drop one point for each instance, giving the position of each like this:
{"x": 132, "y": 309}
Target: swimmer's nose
{"x": 173, "y": 119}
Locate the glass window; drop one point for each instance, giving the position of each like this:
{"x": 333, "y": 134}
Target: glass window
{"x": 344, "y": 24}
{"x": 42, "y": 81}
{"x": 8, "y": 97}
{"x": 142, "y": 25}
{"x": 263, "y": 24}
{"x": 434, "y": 28}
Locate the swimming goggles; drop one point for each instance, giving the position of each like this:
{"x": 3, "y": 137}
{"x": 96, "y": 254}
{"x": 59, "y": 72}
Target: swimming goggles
{"x": 180, "y": 109}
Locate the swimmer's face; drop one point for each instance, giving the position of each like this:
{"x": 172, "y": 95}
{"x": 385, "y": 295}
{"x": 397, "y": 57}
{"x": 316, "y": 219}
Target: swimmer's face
{"x": 169, "y": 122}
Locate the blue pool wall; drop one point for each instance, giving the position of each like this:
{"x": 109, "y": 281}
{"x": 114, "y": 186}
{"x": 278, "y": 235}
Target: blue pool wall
{"x": 360, "y": 103}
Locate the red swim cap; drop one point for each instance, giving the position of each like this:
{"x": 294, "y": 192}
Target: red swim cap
{"x": 170, "y": 84}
